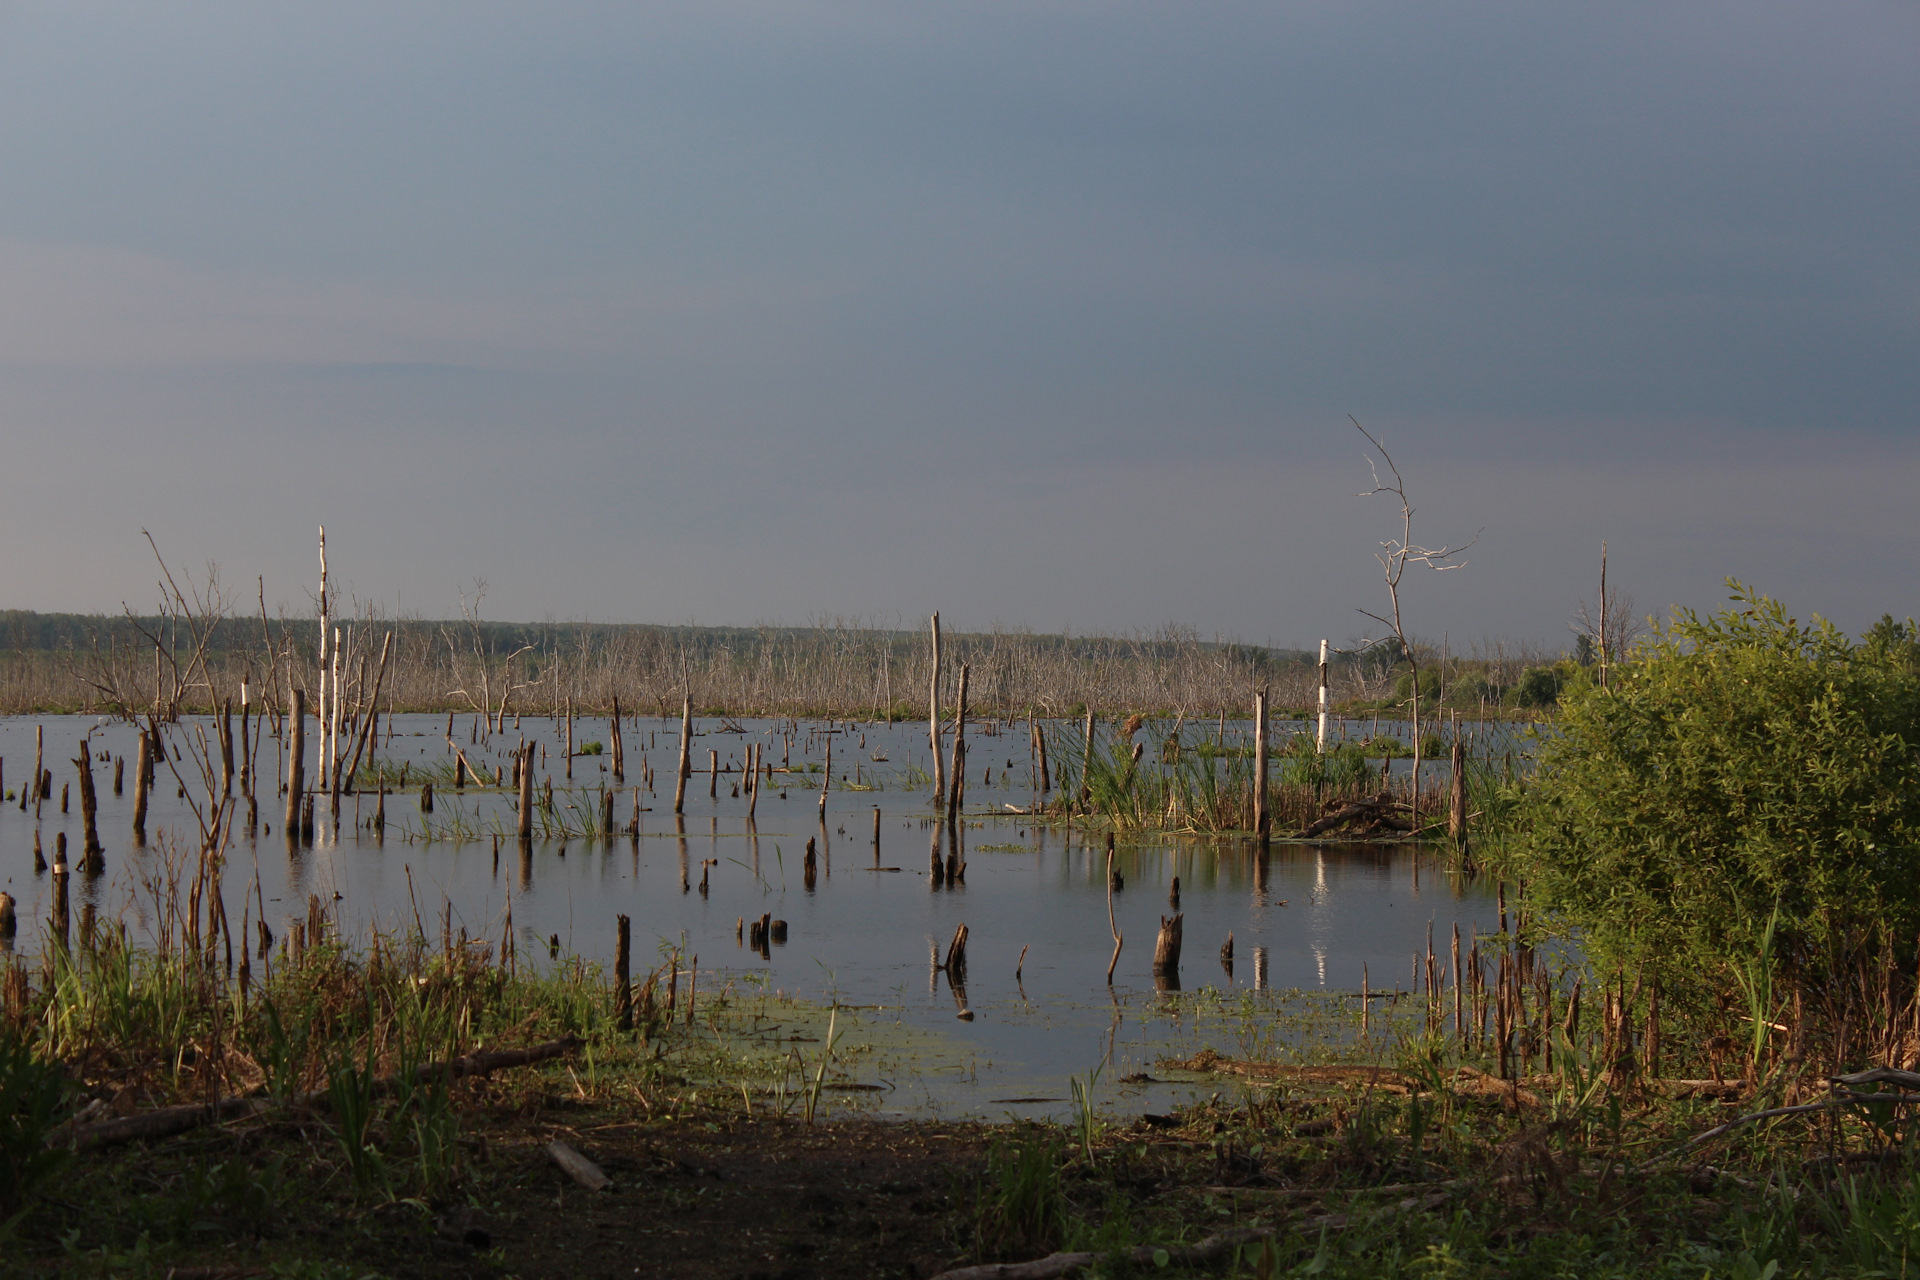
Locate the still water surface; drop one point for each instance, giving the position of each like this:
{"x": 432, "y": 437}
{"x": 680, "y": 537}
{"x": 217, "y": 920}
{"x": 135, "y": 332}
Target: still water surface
{"x": 1302, "y": 916}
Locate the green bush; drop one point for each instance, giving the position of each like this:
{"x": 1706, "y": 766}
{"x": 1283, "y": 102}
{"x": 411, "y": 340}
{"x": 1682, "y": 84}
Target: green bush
{"x": 1539, "y": 687}
{"x": 1740, "y": 764}
{"x": 1470, "y": 691}
{"x": 1429, "y": 685}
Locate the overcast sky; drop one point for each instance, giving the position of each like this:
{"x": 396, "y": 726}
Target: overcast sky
{"x": 1042, "y": 314}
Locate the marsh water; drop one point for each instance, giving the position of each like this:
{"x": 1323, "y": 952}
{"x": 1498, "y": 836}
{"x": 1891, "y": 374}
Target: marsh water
{"x": 1305, "y": 918}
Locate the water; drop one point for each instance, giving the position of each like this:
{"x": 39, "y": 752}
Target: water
{"x": 862, "y": 934}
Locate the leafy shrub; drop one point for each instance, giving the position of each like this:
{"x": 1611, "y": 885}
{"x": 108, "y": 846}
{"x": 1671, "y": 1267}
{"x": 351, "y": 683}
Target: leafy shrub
{"x": 1740, "y": 764}
{"x": 1471, "y": 690}
{"x": 1429, "y": 685}
{"x": 592, "y": 748}
{"x": 1539, "y": 687}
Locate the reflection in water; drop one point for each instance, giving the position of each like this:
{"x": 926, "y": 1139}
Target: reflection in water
{"x": 1313, "y": 915}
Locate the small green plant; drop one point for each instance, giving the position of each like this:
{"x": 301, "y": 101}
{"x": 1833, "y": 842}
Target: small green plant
{"x": 1085, "y": 1117}
{"x": 350, "y": 1089}
{"x": 826, "y": 1059}
{"x": 1022, "y": 1210}
{"x": 593, "y": 748}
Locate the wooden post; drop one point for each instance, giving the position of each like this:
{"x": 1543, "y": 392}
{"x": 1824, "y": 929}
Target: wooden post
{"x": 1113, "y": 925}
{"x": 90, "y": 849}
{"x": 226, "y": 748}
{"x": 1262, "y": 820}
{"x": 1040, "y": 741}
{"x": 933, "y": 720}
{"x": 618, "y": 744}
{"x": 959, "y": 780}
{"x": 713, "y": 774}
{"x": 1321, "y": 739}
{"x": 826, "y": 779}
{"x": 1166, "y": 947}
{"x": 60, "y": 894}
{"x": 143, "y": 766}
{"x": 622, "y": 976}
{"x": 526, "y": 795}
{"x": 296, "y": 762}
{"x": 119, "y": 770}
{"x": 876, "y": 835}
{"x": 569, "y": 739}
{"x": 39, "y": 787}
{"x": 686, "y": 747}
{"x": 753, "y": 780}
{"x": 246, "y": 750}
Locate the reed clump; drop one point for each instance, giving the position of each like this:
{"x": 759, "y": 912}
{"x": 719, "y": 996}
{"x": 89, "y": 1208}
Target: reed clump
{"x": 1141, "y": 774}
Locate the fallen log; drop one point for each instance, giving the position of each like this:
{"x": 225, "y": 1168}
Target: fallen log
{"x": 162, "y": 1123}
{"x": 165, "y": 1122}
{"x": 1212, "y": 1249}
{"x": 1381, "y": 811}
{"x": 578, "y": 1167}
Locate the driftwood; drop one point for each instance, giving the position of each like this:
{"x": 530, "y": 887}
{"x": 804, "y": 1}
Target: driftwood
{"x": 168, "y": 1121}
{"x": 1843, "y": 1094}
{"x": 578, "y": 1167}
{"x": 163, "y": 1123}
{"x": 1380, "y": 813}
{"x": 1212, "y": 1249}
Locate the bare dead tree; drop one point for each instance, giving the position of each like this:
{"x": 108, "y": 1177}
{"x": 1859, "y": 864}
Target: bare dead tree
{"x": 1608, "y": 623}
{"x": 1395, "y": 556}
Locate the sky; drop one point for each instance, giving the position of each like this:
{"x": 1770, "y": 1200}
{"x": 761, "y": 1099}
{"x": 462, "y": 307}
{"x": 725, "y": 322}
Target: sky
{"x": 1042, "y": 315}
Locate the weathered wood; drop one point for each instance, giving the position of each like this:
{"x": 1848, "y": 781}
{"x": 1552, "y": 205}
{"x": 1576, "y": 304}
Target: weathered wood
{"x": 167, "y": 1121}
{"x": 958, "y": 779}
{"x": 225, "y": 729}
{"x": 622, "y": 975}
{"x": 140, "y": 773}
{"x": 933, "y": 721}
{"x": 90, "y": 848}
{"x": 1262, "y": 820}
{"x": 1166, "y": 947}
{"x": 617, "y": 744}
{"x": 525, "y": 831}
{"x": 296, "y": 762}
{"x": 686, "y": 747}
{"x": 1380, "y": 811}
{"x": 578, "y": 1167}
{"x": 1212, "y": 1249}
